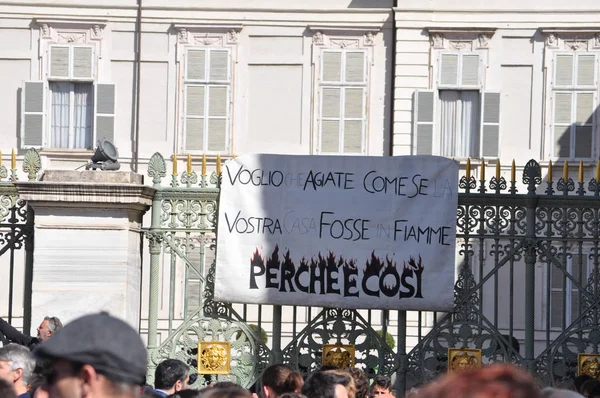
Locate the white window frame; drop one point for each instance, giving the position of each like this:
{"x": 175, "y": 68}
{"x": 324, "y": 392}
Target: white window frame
{"x": 482, "y": 55}
{"x": 71, "y": 63}
{"x": 207, "y": 83}
{"x": 343, "y": 85}
{"x": 460, "y": 85}
{"x": 71, "y": 80}
{"x": 574, "y": 89}
{"x": 437, "y": 133}
{"x": 48, "y": 135}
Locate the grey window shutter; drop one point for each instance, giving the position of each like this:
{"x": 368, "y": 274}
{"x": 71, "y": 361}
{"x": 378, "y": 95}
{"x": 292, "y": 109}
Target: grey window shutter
{"x": 563, "y": 70}
{"x": 33, "y": 112}
{"x": 470, "y": 70}
{"x": 584, "y": 118}
{"x": 218, "y": 104}
{"x": 60, "y": 62}
{"x": 83, "y": 61}
{"x": 331, "y": 67}
{"x": 355, "y": 70}
{"x": 195, "y": 68}
{"x": 354, "y": 105}
{"x": 331, "y": 113}
{"x": 194, "y": 118}
{"x": 490, "y": 124}
{"x": 219, "y": 65}
{"x": 563, "y": 105}
{"x": 423, "y": 121}
{"x": 586, "y": 70}
{"x": 449, "y": 70}
{"x": 104, "y": 126}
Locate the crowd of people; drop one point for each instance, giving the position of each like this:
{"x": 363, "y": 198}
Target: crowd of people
{"x": 100, "y": 356}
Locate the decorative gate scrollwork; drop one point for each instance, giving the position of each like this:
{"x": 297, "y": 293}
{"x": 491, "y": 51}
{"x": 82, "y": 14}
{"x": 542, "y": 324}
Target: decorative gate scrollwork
{"x": 513, "y": 250}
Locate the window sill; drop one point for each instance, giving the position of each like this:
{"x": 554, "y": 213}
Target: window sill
{"x": 83, "y": 154}
{"x": 559, "y": 162}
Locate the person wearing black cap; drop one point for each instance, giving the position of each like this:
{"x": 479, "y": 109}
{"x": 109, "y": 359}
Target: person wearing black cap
{"x": 95, "y": 356}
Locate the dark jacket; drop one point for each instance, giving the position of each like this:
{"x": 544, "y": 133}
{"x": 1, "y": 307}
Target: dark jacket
{"x": 17, "y": 337}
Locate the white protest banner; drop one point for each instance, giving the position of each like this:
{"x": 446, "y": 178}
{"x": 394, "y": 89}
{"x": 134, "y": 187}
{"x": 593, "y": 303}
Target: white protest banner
{"x": 337, "y": 231}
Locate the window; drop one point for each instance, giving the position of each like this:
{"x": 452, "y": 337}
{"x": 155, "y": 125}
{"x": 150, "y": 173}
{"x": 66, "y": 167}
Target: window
{"x": 459, "y": 123}
{"x": 343, "y": 97}
{"x": 71, "y": 115}
{"x": 207, "y": 91}
{"x": 575, "y": 99}
{"x": 565, "y": 305}
{"x": 69, "y": 110}
{"x": 458, "y": 119}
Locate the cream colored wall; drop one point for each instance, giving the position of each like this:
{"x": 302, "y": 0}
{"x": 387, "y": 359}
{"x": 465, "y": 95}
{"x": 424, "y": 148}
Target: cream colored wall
{"x": 273, "y": 102}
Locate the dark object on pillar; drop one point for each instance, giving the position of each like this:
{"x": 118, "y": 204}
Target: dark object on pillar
{"x": 105, "y": 158}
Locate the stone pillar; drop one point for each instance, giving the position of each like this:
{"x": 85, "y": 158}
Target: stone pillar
{"x": 87, "y": 248}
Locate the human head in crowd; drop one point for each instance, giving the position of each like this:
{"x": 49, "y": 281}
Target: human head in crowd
{"x": 225, "y": 384}
{"x": 550, "y": 392}
{"x": 382, "y": 385}
{"x": 7, "y": 390}
{"x": 17, "y": 366}
{"x": 579, "y": 380}
{"x": 95, "y": 356}
{"x": 292, "y": 395}
{"x": 186, "y": 394}
{"x": 238, "y": 392}
{"x": 38, "y": 384}
{"x": 171, "y": 376}
{"x": 497, "y": 381}
{"x": 279, "y": 379}
{"x": 591, "y": 388}
{"x": 361, "y": 381}
{"x": 350, "y": 385}
{"x": 326, "y": 385}
{"x": 48, "y": 327}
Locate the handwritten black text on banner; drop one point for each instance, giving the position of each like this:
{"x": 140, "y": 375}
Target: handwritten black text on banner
{"x": 354, "y": 232}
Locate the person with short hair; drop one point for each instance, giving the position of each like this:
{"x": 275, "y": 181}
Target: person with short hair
{"x": 350, "y": 386}
{"x": 17, "y": 366}
{"x": 580, "y": 380}
{"x": 381, "y": 387}
{"x": 96, "y": 356}
{"x": 279, "y": 379}
{"x": 171, "y": 376}
{"x": 47, "y": 328}
{"x": 591, "y": 388}
{"x": 361, "y": 381}
{"x": 326, "y": 385}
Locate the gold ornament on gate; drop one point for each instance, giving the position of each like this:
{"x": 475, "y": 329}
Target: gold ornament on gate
{"x": 463, "y": 358}
{"x": 589, "y": 364}
{"x": 339, "y": 355}
{"x": 214, "y": 357}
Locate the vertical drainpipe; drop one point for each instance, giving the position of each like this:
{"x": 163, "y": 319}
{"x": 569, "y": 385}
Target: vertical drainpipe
{"x": 401, "y": 357}
{"x": 393, "y": 78}
{"x": 136, "y": 91}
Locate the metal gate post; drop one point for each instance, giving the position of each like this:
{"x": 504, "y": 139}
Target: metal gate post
{"x": 530, "y": 177}
{"x": 402, "y": 360}
{"x": 29, "y": 227}
{"x": 277, "y": 354}
{"x": 155, "y": 243}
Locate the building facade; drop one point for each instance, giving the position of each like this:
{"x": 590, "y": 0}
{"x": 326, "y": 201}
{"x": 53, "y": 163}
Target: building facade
{"x": 493, "y": 80}
{"x": 190, "y": 78}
